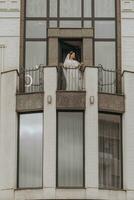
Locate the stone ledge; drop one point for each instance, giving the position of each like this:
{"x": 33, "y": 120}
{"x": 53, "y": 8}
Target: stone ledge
{"x": 70, "y": 100}
{"x": 70, "y": 32}
{"x": 111, "y": 103}
{"x": 29, "y": 102}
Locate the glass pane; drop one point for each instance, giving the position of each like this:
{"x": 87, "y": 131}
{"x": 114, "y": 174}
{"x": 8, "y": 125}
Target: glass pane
{"x": 110, "y": 151}
{"x": 53, "y": 8}
{"x": 35, "y": 29}
{"x": 70, "y": 24}
{"x": 30, "y": 150}
{"x": 53, "y": 24}
{"x": 105, "y": 8}
{"x": 105, "y": 29}
{"x": 69, "y": 8}
{"x": 105, "y": 54}
{"x": 87, "y": 8}
{"x": 87, "y": 24}
{"x": 35, "y": 54}
{"x": 36, "y": 8}
{"x": 70, "y": 149}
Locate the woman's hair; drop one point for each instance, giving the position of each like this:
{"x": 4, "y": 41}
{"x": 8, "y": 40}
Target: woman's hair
{"x": 70, "y": 53}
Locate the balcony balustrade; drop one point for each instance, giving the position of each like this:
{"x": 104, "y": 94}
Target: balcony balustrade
{"x": 69, "y": 79}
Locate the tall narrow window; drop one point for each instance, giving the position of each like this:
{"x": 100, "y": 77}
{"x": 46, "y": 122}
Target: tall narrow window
{"x": 30, "y": 150}
{"x": 70, "y": 149}
{"x": 110, "y": 171}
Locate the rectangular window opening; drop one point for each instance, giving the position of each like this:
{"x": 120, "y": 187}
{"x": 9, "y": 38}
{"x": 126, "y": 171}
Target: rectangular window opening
{"x": 110, "y": 151}
{"x": 70, "y": 150}
{"x": 30, "y": 151}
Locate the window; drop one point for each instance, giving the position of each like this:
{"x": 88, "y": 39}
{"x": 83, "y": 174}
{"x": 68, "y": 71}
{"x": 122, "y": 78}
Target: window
{"x": 30, "y": 150}
{"x": 53, "y": 8}
{"x": 102, "y": 15}
{"x": 36, "y": 8}
{"x": 87, "y": 8}
{"x": 69, "y": 8}
{"x": 72, "y": 14}
{"x": 67, "y": 45}
{"x": 70, "y": 24}
{"x": 35, "y": 29}
{"x": 35, "y": 53}
{"x": 105, "y": 54}
{"x": 53, "y": 24}
{"x": 110, "y": 156}
{"x": 35, "y": 33}
{"x": 104, "y": 8}
{"x": 70, "y": 163}
{"x": 108, "y": 26}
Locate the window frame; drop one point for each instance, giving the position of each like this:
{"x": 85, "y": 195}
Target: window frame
{"x": 82, "y": 19}
{"x": 57, "y": 186}
{"x": 121, "y": 151}
{"x": 18, "y": 148}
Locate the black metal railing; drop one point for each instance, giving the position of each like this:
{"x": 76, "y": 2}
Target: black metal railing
{"x": 109, "y": 80}
{"x": 71, "y": 78}
{"x": 32, "y": 79}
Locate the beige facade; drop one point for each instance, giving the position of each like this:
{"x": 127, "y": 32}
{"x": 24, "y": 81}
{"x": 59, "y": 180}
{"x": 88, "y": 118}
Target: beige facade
{"x": 14, "y": 101}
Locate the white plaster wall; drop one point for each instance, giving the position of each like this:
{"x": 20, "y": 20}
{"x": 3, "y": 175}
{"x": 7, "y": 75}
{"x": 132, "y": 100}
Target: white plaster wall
{"x": 9, "y": 27}
{"x": 11, "y": 52}
{"x": 91, "y": 129}
{"x": 128, "y": 82}
{"x": 127, "y": 22}
{"x": 128, "y": 131}
{"x": 10, "y": 32}
{"x": 50, "y": 87}
{"x": 8, "y": 131}
{"x": 7, "y": 194}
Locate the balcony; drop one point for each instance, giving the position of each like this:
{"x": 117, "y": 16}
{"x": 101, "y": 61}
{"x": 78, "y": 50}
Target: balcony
{"x": 70, "y": 79}
{"x": 73, "y": 86}
{"x": 109, "y": 81}
{"x": 31, "y": 79}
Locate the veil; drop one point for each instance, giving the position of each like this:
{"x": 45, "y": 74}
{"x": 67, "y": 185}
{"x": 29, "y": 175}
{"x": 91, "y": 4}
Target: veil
{"x": 70, "y": 63}
{"x": 67, "y": 57}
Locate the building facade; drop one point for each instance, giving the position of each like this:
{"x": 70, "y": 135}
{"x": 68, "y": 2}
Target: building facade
{"x": 66, "y": 132}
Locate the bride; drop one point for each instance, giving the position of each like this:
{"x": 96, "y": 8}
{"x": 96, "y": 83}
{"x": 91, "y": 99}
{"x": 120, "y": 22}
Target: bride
{"x": 72, "y": 72}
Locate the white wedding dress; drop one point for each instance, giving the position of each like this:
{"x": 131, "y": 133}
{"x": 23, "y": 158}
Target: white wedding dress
{"x": 72, "y": 74}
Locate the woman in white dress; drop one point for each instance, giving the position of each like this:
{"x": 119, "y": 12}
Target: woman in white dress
{"x": 73, "y": 75}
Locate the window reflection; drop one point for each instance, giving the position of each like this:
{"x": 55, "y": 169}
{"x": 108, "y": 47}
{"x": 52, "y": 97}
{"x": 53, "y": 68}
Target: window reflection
{"x": 87, "y": 8}
{"x": 105, "y": 54}
{"x": 69, "y": 8}
{"x": 110, "y": 151}
{"x": 35, "y": 54}
{"x": 53, "y": 8}
{"x": 104, "y": 8}
{"x": 30, "y": 150}
{"x": 36, "y": 8}
{"x": 105, "y": 29}
{"x": 36, "y": 29}
{"x": 70, "y": 149}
